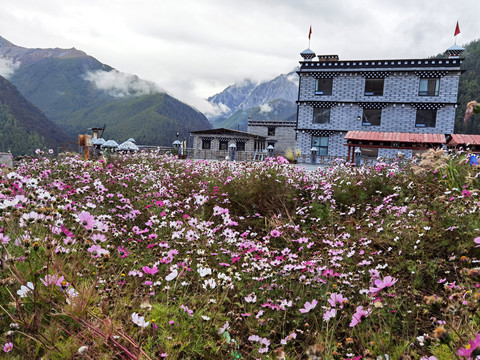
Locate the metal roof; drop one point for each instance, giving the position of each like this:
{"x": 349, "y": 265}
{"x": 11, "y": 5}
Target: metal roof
{"x": 395, "y": 136}
{"x": 127, "y": 145}
{"x": 464, "y": 139}
{"x": 224, "y": 131}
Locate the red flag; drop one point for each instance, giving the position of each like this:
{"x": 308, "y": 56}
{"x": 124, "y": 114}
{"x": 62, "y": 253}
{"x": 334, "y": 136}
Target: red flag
{"x": 310, "y": 32}
{"x": 457, "y": 30}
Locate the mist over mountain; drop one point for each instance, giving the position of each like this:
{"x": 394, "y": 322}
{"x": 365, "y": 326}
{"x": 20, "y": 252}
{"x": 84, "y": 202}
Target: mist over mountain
{"x": 76, "y": 91}
{"x": 274, "y": 99}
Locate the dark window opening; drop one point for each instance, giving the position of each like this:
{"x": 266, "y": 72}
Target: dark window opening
{"x": 271, "y": 131}
{"x": 374, "y": 87}
{"x": 206, "y": 144}
{"x": 223, "y": 145}
{"x": 240, "y": 145}
{"x": 323, "y": 86}
{"x": 426, "y": 118}
{"x": 372, "y": 117}
{"x": 321, "y": 115}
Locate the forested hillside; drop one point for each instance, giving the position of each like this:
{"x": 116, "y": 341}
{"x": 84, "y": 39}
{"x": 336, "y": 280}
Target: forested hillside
{"x": 150, "y": 119}
{"x": 14, "y": 137}
{"x": 469, "y": 89}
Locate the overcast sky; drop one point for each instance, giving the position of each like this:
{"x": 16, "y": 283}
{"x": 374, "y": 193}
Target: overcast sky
{"x": 195, "y": 48}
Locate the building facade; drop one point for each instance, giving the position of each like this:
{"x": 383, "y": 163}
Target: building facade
{"x": 218, "y": 144}
{"x": 391, "y": 96}
{"x": 279, "y": 134}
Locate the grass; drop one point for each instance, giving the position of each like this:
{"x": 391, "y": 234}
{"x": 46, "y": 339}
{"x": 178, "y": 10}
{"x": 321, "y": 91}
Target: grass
{"x": 238, "y": 260}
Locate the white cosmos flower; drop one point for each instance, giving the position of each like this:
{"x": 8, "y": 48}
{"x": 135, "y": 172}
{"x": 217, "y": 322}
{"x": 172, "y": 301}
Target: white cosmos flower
{"x": 24, "y": 290}
{"x": 172, "y": 275}
{"x": 139, "y": 320}
{"x": 251, "y": 298}
{"x": 204, "y": 271}
{"x": 209, "y": 283}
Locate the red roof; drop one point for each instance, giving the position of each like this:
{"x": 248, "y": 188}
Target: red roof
{"x": 395, "y": 137}
{"x": 464, "y": 139}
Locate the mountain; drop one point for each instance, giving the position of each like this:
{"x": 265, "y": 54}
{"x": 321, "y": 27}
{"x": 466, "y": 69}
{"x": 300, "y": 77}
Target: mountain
{"x": 274, "y": 99}
{"x": 160, "y": 116}
{"x": 23, "y": 126}
{"x": 76, "y": 92}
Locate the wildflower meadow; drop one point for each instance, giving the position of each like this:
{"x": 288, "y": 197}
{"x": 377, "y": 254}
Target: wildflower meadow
{"x": 147, "y": 256}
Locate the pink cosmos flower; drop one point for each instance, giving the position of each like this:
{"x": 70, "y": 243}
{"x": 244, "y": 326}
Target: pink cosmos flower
{"x": 275, "y": 233}
{"x": 97, "y": 251}
{"x": 472, "y": 349}
{"x": 329, "y": 314}
{"x": 309, "y": 306}
{"x": 8, "y": 347}
{"x": 52, "y": 280}
{"x": 66, "y": 231}
{"x": 224, "y": 328}
{"x": 4, "y": 239}
{"x": 151, "y": 271}
{"x": 98, "y": 238}
{"x": 86, "y": 220}
{"x": 359, "y": 314}
{"x": 187, "y": 310}
{"x": 337, "y": 299}
{"x": 477, "y": 241}
{"x": 382, "y": 284}
{"x": 123, "y": 252}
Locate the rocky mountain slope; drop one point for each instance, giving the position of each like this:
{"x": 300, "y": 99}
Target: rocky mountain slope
{"x": 274, "y": 99}
{"x": 76, "y": 91}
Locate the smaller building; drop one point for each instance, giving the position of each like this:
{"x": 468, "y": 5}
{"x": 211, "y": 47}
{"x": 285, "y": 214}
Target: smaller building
{"x": 373, "y": 144}
{"x": 279, "y": 134}
{"x": 218, "y": 144}
{"x": 464, "y": 142}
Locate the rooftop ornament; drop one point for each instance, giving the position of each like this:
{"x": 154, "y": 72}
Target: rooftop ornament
{"x": 98, "y": 142}
{"x": 127, "y": 146}
{"x": 110, "y": 145}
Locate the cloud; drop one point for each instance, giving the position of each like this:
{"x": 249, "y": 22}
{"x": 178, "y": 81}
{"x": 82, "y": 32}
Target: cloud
{"x": 265, "y": 108}
{"x": 118, "y": 84}
{"x": 293, "y": 77}
{"x": 211, "y": 110}
{"x": 8, "y": 67}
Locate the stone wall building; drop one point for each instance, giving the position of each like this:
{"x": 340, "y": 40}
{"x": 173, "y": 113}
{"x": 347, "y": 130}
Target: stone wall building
{"x": 389, "y": 96}
{"x": 279, "y": 134}
{"x": 218, "y": 143}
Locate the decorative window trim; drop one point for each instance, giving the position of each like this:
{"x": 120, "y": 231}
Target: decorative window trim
{"x": 320, "y": 104}
{"x": 427, "y": 106}
{"x": 317, "y": 132}
{"x": 375, "y": 74}
{"x": 431, "y": 73}
{"x": 373, "y": 105}
{"x": 321, "y": 75}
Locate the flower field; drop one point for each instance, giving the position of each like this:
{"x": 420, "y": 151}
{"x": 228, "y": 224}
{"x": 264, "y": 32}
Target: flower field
{"x": 148, "y": 257}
